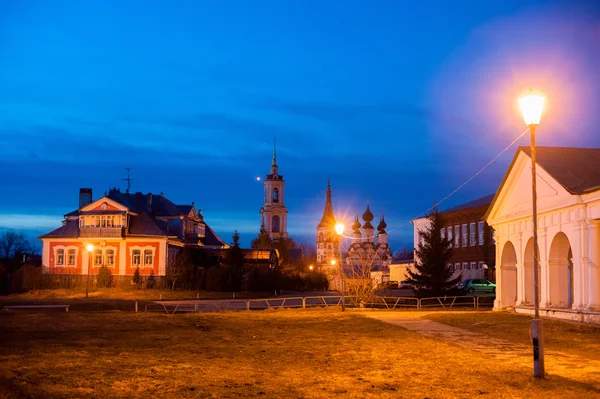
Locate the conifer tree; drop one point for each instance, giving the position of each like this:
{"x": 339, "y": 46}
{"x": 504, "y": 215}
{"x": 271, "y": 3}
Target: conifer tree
{"x": 136, "y": 277}
{"x": 433, "y": 274}
{"x": 262, "y": 240}
{"x": 236, "y": 263}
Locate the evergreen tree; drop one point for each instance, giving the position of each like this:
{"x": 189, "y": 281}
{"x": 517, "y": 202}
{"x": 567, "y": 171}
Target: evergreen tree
{"x": 151, "y": 280}
{"x": 262, "y": 240}
{"x": 236, "y": 263}
{"x": 433, "y": 274}
{"x": 136, "y": 276}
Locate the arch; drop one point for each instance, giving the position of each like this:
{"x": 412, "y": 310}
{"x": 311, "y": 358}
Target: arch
{"x": 560, "y": 271}
{"x": 528, "y": 273}
{"x": 508, "y": 273}
{"x": 275, "y": 195}
{"x": 275, "y": 225}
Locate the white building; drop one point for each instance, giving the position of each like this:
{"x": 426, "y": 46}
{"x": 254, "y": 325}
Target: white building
{"x": 568, "y": 191}
{"x": 273, "y": 214}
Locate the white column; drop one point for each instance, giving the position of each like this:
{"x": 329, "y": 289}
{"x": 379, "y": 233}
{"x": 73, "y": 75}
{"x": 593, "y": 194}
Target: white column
{"x": 593, "y": 300}
{"x": 580, "y": 264}
{"x": 45, "y": 256}
{"x": 122, "y": 258}
{"x": 162, "y": 261}
{"x": 85, "y": 261}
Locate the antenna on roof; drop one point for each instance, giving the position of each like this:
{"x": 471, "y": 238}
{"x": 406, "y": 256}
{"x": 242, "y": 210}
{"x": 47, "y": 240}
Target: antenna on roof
{"x": 128, "y": 180}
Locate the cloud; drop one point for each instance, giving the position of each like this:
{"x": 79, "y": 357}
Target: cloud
{"x": 29, "y": 222}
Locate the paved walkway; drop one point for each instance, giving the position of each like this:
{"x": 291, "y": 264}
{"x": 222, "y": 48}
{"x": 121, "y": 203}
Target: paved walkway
{"x": 497, "y": 347}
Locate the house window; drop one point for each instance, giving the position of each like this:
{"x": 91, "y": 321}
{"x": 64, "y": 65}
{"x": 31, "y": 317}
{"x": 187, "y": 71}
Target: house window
{"x": 450, "y": 236}
{"x": 457, "y": 266}
{"x": 98, "y": 257}
{"x": 464, "y": 235}
{"x": 443, "y": 233}
{"x": 456, "y": 236}
{"x": 480, "y": 265}
{"x": 110, "y": 257}
{"x": 71, "y": 257}
{"x": 136, "y": 257}
{"x": 492, "y": 236}
{"x": 472, "y": 235}
{"x": 481, "y": 231}
{"x": 451, "y": 267}
{"x": 473, "y": 266}
{"x": 148, "y": 257}
{"x": 465, "y": 266}
{"x": 60, "y": 257}
{"x": 81, "y": 221}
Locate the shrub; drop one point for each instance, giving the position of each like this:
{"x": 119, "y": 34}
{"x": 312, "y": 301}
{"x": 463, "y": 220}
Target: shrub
{"x": 136, "y": 277}
{"x": 151, "y": 280}
{"x": 104, "y": 277}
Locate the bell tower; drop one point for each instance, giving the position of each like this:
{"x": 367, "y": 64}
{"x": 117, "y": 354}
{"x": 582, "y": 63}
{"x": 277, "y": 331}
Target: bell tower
{"x": 273, "y": 214}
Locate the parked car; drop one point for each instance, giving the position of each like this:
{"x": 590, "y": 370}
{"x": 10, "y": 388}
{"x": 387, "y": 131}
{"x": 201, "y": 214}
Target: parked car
{"x": 477, "y": 285}
{"x": 388, "y": 285}
{"x": 406, "y": 284}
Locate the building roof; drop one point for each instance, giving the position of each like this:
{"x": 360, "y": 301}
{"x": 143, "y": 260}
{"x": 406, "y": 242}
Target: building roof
{"x": 576, "y": 169}
{"x": 483, "y": 201}
{"x": 69, "y": 229}
{"x": 328, "y": 219}
{"x": 211, "y": 238}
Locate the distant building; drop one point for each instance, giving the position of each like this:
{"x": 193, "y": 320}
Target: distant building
{"x": 471, "y": 239}
{"x": 273, "y": 213}
{"x": 128, "y": 231}
{"x": 328, "y": 242}
{"x": 568, "y": 206}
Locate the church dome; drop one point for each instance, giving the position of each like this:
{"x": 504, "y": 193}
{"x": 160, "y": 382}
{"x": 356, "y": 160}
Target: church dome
{"x": 382, "y": 225}
{"x": 367, "y": 217}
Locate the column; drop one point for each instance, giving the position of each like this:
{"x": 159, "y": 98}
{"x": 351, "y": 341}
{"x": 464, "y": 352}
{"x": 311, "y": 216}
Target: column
{"x": 580, "y": 264}
{"x": 593, "y": 269}
{"x": 500, "y": 242}
{"x": 122, "y": 258}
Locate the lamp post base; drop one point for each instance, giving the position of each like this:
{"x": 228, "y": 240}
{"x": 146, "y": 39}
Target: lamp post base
{"x": 537, "y": 337}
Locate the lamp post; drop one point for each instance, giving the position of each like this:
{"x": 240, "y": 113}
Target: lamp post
{"x": 90, "y": 249}
{"x": 532, "y": 106}
{"x": 339, "y": 229}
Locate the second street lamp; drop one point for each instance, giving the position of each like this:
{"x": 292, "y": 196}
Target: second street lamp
{"x": 339, "y": 229}
{"x": 532, "y": 106}
{"x": 90, "y": 249}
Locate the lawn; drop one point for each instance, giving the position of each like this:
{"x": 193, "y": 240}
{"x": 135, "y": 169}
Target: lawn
{"x": 317, "y": 353}
{"x": 563, "y": 336}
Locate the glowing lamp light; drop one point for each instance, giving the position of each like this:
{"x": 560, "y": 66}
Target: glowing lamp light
{"x": 531, "y": 107}
{"x": 333, "y": 261}
{"x": 311, "y": 267}
{"x": 90, "y": 247}
{"x": 339, "y": 228}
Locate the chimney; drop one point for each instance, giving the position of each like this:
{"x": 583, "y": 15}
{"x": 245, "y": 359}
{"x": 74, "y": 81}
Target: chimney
{"x": 85, "y": 197}
{"x": 149, "y": 202}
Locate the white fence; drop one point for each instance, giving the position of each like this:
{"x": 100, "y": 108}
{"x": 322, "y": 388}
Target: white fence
{"x": 391, "y": 303}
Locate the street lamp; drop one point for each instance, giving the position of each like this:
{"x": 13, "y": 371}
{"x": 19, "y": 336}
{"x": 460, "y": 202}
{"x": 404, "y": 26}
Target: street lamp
{"x": 339, "y": 229}
{"x": 531, "y": 107}
{"x": 90, "y": 249}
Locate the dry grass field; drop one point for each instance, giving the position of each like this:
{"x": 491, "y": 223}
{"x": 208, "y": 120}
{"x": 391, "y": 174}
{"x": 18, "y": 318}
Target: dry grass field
{"x": 266, "y": 354}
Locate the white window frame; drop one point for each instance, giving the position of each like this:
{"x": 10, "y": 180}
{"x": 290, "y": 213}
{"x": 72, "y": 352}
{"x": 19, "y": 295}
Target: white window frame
{"x": 148, "y": 253}
{"x": 481, "y": 233}
{"x": 472, "y": 234}
{"x": 142, "y": 261}
{"x": 98, "y": 252}
{"x": 463, "y": 235}
{"x": 71, "y": 252}
{"x": 106, "y": 257}
{"x": 65, "y": 251}
{"x": 457, "y": 236}
{"x": 457, "y": 266}
{"x": 60, "y": 257}
{"x": 450, "y": 236}
{"x": 473, "y": 265}
{"x": 465, "y": 265}
{"x": 480, "y": 264}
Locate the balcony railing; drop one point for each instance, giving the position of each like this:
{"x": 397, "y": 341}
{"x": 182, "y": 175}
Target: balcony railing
{"x": 101, "y": 232}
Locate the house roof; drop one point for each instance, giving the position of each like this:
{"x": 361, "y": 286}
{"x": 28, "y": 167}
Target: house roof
{"x": 576, "y": 169}
{"x": 70, "y": 229}
{"x": 144, "y": 225}
{"x": 211, "y": 238}
{"x": 483, "y": 201}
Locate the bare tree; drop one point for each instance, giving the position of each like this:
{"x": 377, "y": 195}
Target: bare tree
{"x": 178, "y": 267}
{"x": 12, "y": 242}
{"x": 362, "y": 260}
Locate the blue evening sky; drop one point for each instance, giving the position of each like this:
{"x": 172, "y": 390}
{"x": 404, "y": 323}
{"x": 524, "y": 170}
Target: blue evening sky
{"x": 398, "y": 102}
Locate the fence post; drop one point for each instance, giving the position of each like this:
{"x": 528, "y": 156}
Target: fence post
{"x": 195, "y": 307}
{"x": 418, "y": 303}
{"x": 247, "y": 305}
{"x": 303, "y": 303}
{"x": 136, "y": 306}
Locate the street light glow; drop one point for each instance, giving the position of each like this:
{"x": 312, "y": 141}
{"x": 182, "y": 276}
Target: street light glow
{"x": 339, "y": 228}
{"x": 90, "y": 247}
{"x": 333, "y": 261}
{"x": 532, "y": 106}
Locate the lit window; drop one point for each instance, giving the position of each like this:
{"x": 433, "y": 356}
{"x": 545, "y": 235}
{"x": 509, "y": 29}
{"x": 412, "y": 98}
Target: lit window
{"x": 110, "y": 257}
{"x": 473, "y": 266}
{"x": 456, "y": 236}
{"x": 465, "y": 266}
{"x": 492, "y": 236}
{"x": 464, "y": 235}
{"x": 472, "y": 235}
{"x": 81, "y": 221}
{"x": 148, "y": 257}
{"x": 60, "y": 257}
{"x": 443, "y": 233}
{"x": 481, "y": 232}
{"x": 98, "y": 257}
{"x": 136, "y": 257}
{"x": 480, "y": 265}
{"x": 71, "y": 257}
{"x": 450, "y": 236}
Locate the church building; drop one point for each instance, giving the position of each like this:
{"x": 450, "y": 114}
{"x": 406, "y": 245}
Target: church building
{"x": 328, "y": 242}
{"x": 273, "y": 213}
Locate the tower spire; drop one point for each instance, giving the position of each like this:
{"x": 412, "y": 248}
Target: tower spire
{"x": 274, "y": 152}
{"x": 328, "y": 219}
